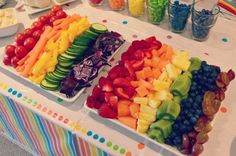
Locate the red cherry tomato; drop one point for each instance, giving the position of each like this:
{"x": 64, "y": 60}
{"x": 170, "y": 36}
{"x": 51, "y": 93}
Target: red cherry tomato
{"x": 28, "y": 32}
{"x": 21, "y": 52}
{"x": 44, "y": 19}
{"x": 37, "y": 26}
{"x": 56, "y": 8}
{"x": 10, "y": 51}
{"x": 7, "y": 61}
{"x": 61, "y": 14}
{"x": 20, "y": 38}
{"x": 14, "y": 61}
{"x": 37, "y": 34}
{"x": 29, "y": 43}
{"x": 52, "y": 19}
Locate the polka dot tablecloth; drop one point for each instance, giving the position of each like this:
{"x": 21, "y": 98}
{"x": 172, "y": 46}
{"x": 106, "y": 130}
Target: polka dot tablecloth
{"x": 219, "y": 49}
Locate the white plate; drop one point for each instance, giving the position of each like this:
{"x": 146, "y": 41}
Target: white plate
{"x": 165, "y": 146}
{"x": 32, "y": 10}
{"x": 55, "y": 94}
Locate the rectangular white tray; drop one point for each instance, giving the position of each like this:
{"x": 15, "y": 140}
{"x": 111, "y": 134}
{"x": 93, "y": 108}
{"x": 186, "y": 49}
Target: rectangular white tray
{"x": 114, "y": 121}
{"x": 32, "y": 10}
{"x": 54, "y": 94}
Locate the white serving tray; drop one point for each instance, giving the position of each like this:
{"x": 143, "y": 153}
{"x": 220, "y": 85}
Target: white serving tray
{"x": 114, "y": 121}
{"x": 53, "y": 94}
{"x": 32, "y": 10}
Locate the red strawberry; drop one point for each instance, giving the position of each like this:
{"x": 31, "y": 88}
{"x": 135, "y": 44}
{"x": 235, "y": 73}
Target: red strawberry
{"x": 96, "y": 91}
{"x": 130, "y": 91}
{"x": 108, "y": 95}
{"x": 113, "y": 101}
{"x": 148, "y": 53}
{"x": 90, "y": 102}
{"x": 138, "y": 65}
{"x": 102, "y": 81}
{"x": 106, "y": 112}
{"x": 97, "y": 104}
{"x": 125, "y": 56}
{"x": 130, "y": 69}
{"x": 139, "y": 55}
{"x": 121, "y": 94}
{"x": 121, "y": 82}
{"x": 101, "y": 98}
{"x": 121, "y": 63}
{"x": 107, "y": 87}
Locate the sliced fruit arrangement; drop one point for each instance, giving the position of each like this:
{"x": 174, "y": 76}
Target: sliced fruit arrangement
{"x": 26, "y": 40}
{"x": 162, "y": 93}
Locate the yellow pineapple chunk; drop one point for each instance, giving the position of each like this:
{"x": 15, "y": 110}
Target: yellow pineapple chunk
{"x": 154, "y": 102}
{"x": 181, "y": 63}
{"x": 148, "y": 117}
{"x": 164, "y": 95}
{"x": 148, "y": 109}
{"x": 142, "y": 129}
{"x": 171, "y": 71}
{"x": 142, "y": 101}
{"x": 142, "y": 122}
{"x": 161, "y": 84}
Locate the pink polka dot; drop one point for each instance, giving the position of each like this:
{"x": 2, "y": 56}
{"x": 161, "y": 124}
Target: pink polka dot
{"x": 60, "y": 118}
{"x": 169, "y": 36}
{"x": 66, "y": 121}
{"x": 135, "y": 36}
{"x": 104, "y": 21}
{"x": 206, "y": 54}
{"x": 44, "y": 109}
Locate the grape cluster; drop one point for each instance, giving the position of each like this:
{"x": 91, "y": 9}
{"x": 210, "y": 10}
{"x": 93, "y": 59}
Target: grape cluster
{"x": 191, "y": 107}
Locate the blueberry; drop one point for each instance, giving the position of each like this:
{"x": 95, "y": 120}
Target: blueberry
{"x": 193, "y": 120}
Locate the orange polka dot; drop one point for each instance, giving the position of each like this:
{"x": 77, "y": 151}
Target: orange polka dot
{"x": 223, "y": 109}
{"x": 128, "y": 154}
{"x": 141, "y": 146}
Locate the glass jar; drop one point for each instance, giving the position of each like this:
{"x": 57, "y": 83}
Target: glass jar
{"x": 136, "y": 7}
{"x": 179, "y": 12}
{"x": 156, "y": 10}
{"x": 117, "y": 4}
{"x": 202, "y": 21}
{"x": 95, "y": 3}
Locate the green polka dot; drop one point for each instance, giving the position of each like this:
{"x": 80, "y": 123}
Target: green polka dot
{"x": 122, "y": 151}
{"x": 35, "y": 103}
{"x": 24, "y": 98}
{"x": 224, "y": 39}
{"x": 30, "y": 100}
{"x": 116, "y": 147}
{"x": 109, "y": 144}
{"x": 59, "y": 100}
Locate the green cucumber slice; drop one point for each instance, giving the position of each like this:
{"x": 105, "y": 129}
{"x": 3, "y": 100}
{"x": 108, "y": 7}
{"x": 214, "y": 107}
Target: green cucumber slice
{"x": 66, "y": 64}
{"x": 98, "y": 28}
{"x": 52, "y": 81}
{"x": 58, "y": 75}
{"x": 63, "y": 69}
{"x": 69, "y": 57}
{"x": 48, "y": 86}
{"x": 83, "y": 39}
{"x": 90, "y": 34}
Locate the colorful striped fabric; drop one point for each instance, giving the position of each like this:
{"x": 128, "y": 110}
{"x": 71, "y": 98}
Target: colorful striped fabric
{"x": 230, "y": 6}
{"x": 32, "y": 131}
{"x": 87, "y": 149}
{"x": 39, "y": 135}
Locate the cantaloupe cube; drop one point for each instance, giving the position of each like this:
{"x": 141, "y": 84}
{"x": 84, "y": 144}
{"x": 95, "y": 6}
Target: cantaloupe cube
{"x": 134, "y": 83}
{"x": 134, "y": 110}
{"x": 140, "y": 75}
{"x": 142, "y": 91}
{"x": 123, "y": 109}
{"x": 156, "y": 73}
{"x": 147, "y": 72}
{"x": 129, "y": 121}
{"x": 146, "y": 84}
{"x": 147, "y": 62}
{"x": 146, "y": 116}
{"x": 148, "y": 109}
{"x": 154, "y": 53}
{"x": 140, "y": 100}
{"x": 155, "y": 62}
